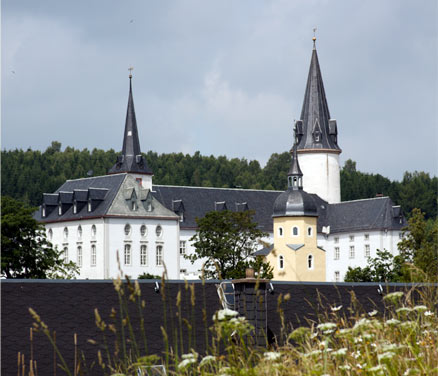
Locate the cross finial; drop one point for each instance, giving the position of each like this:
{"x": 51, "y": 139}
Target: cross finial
{"x": 314, "y": 36}
{"x": 130, "y": 71}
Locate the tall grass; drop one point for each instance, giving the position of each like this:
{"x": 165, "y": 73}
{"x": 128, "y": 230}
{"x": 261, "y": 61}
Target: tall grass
{"x": 401, "y": 341}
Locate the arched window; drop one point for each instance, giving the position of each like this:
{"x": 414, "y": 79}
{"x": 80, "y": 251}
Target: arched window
{"x": 280, "y": 262}
{"x": 310, "y": 262}
{"x": 93, "y": 254}
{"x": 143, "y": 230}
{"x": 295, "y": 231}
{"x": 93, "y": 231}
{"x": 159, "y": 255}
{"x": 143, "y": 255}
{"x": 127, "y": 229}
{"x": 79, "y": 232}
{"x": 127, "y": 254}
{"x": 65, "y": 233}
{"x": 309, "y": 231}
{"x": 50, "y": 234}
{"x": 159, "y": 231}
{"x": 280, "y": 231}
{"x": 79, "y": 256}
{"x": 66, "y": 254}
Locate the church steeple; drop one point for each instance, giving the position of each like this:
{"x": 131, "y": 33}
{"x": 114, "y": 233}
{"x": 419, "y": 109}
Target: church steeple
{"x": 315, "y": 129}
{"x": 131, "y": 159}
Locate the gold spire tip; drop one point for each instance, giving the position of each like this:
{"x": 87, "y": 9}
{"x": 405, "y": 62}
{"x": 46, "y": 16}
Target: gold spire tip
{"x": 130, "y": 71}
{"x": 314, "y": 35}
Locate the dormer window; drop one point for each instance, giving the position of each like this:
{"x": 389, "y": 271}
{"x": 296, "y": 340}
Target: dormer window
{"x": 59, "y": 209}
{"x": 75, "y": 207}
{"x": 134, "y": 206}
{"x": 43, "y": 211}
{"x": 89, "y": 207}
{"x": 317, "y": 136}
{"x": 149, "y": 205}
{"x": 181, "y": 217}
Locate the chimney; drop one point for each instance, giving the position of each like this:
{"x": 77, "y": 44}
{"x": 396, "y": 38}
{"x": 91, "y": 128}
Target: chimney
{"x": 250, "y": 300}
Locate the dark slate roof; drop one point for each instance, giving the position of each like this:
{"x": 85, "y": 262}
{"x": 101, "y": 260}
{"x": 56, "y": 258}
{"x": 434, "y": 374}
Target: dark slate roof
{"x": 315, "y": 115}
{"x": 101, "y": 190}
{"x": 294, "y": 203}
{"x": 264, "y": 251}
{"x": 361, "y": 215}
{"x": 295, "y": 247}
{"x": 198, "y": 201}
{"x": 131, "y": 159}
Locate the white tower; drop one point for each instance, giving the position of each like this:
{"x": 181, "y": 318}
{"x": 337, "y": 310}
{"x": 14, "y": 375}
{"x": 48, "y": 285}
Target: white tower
{"x": 316, "y": 136}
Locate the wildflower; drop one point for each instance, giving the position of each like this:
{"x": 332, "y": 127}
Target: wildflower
{"x": 358, "y": 366}
{"x": 356, "y": 354}
{"x": 428, "y": 313}
{"x": 238, "y": 320}
{"x": 372, "y": 313}
{"x": 340, "y": 352}
{"x": 326, "y": 326}
{"x": 207, "y": 359}
{"x": 344, "y": 331}
{"x": 368, "y": 336}
{"x": 358, "y": 340}
{"x": 312, "y": 353}
{"x": 420, "y": 308}
{"x": 385, "y": 356}
{"x": 393, "y": 296}
{"x": 404, "y": 310}
{"x": 192, "y": 355}
{"x": 185, "y": 363}
{"x": 272, "y": 355}
{"x": 411, "y": 371}
{"x": 361, "y": 324}
{"x": 345, "y": 368}
{"x": 392, "y": 322}
{"x": 335, "y": 309}
{"x": 377, "y": 368}
{"x": 224, "y": 314}
{"x": 408, "y": 324}
{"x": 224, "y": 371}
{"x": 390, "y": 347}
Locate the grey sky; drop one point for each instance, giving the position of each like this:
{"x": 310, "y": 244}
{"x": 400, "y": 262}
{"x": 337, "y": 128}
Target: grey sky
{"x": 222, "y": 77}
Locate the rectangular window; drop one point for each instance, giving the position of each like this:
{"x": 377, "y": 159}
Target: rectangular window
{"x": 66, "y": 254}
{"x": 352, "y": 251}
{"x": 127, "y": 254}
{"x": 400, "y": 235}
{"x": 337, "y": 253}
{"x": 93, "y": 255}
{"x": 337, "y": 276}
{"x": 351, "y": 238}
{"x": 336, "y": 240}
{"x": 159, "y": 255}
{"x": 143, "y": 255}
{"x": 367, "y": 237}
{"x": 79, "y": 258}
{"x": 367, "y": 250}
{"x": 182, "y": 247}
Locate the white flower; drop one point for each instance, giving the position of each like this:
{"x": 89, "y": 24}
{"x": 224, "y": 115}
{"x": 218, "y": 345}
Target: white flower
{"x": 368, "y": 336}
{"x": 340, "y": 352}
{"x": 362, "y": 323}
{"x": 404, "y": 310}
{"x": 224, "y": 371}
{"x": 411, "y": 371}
{"x": 190, "y": 356}
{"x": 358, "y": 340}
{"x": 420, "y": 308}
{"x": 312, "y": 353}
{"x": 392, "y": 322}
{"x": 356, "y": 354}
{"x": 393, "y": 295}
{"x": 377, "y": 368}
{"x": 272, "y": 355}
{"x": 345, "y": 368}
{"x": 344, "y": 331}
{"x": 207, "y": 359}
{"x": 238, "y": 320}
{"x": 335, "y": 309}
{"x": 385, "y": 356}
{"x": 390, "y": 347}
{"x": 358, "y": 366}
{"x": 407, "y": 324}
{"x": 186, "y": 362}
{"x": 326, "y": 326}
{"x": 372, "y": 313}
{"x": 428, "y": 313}
{"x": 224, "y": 314}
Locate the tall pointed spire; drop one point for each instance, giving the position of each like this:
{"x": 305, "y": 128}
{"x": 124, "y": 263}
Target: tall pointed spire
{"x": 131, "y": 159}
{"x": 315, "y": 129}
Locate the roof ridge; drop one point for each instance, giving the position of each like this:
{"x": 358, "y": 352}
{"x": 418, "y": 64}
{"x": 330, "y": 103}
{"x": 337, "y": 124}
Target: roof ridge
{"x": 100, "y": 176}
{"x": 230, "y": 189}
{"x": 360, "y": 199}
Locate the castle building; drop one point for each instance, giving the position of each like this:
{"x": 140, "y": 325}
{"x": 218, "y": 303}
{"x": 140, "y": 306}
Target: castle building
{"x": 122, "y": 220}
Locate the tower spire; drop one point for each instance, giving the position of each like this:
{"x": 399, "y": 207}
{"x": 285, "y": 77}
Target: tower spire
{"x": 315, "y": 129}
{"x": 294, "y": 175}
{"x": 131, "y": 159}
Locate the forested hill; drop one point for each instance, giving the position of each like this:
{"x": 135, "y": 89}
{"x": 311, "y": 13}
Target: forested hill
{"x": 26, "y": 175}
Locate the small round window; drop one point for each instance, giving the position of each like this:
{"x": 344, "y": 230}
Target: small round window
{"x": 93, "y": 231}
{"x": 143, "y": 230}
{"x": 159, "y": 231}
{"x": 127, "y": 229}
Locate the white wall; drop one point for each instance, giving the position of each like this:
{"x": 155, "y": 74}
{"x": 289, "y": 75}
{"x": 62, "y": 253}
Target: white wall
{"x": 321, "y": 175}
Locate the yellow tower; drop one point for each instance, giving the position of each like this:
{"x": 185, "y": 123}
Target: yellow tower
{"x": 295, "y": 255}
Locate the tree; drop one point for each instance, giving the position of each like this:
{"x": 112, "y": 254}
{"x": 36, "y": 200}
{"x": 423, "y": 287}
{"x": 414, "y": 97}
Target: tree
{"x": 420, "y": 244}
{"x": 383, "y": 268}
{"x": 26, "y": 253}
{"x": 227, "y": 240}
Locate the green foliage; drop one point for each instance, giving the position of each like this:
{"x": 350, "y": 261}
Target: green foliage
{"x": 383, "y": 268}
{"x": 227, "y": 240}
{"x": 420, "y": 244}
{"x": 26, "y": 253}
{"x": 148, "y": 276}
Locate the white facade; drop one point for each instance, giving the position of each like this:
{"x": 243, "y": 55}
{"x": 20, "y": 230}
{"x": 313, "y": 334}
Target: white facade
{"x": 352, "y": 249}
{"x": 321, "y": 174}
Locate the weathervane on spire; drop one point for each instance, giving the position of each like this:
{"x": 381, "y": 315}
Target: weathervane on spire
{"x": 130, "y": 71}
{"x": 314, "y": 36}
